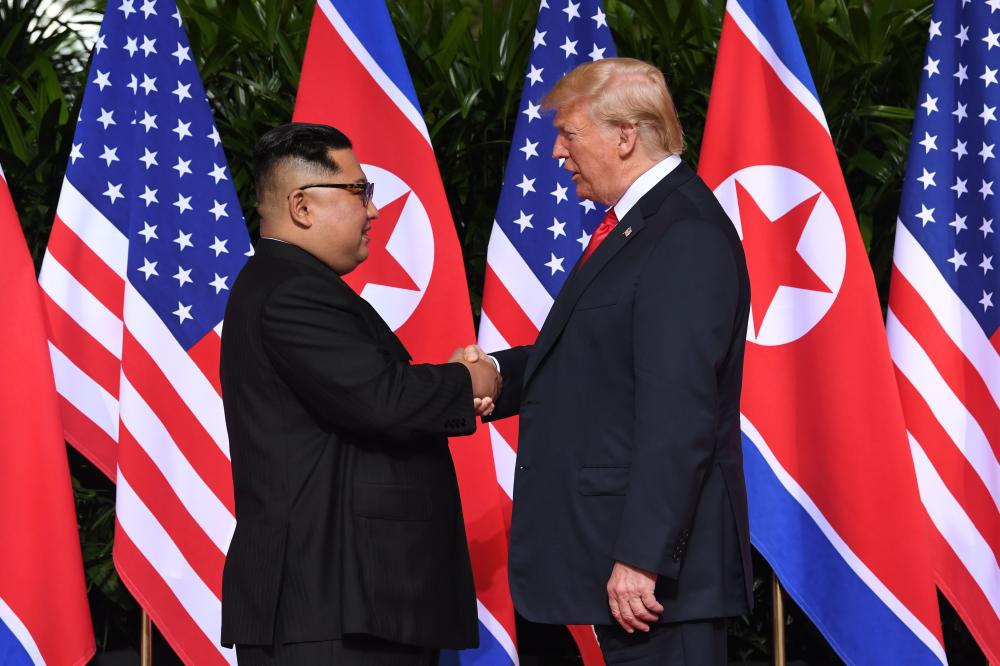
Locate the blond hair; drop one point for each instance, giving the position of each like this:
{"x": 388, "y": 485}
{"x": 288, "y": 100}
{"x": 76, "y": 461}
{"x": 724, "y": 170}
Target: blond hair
{"x": 624, "y": 91}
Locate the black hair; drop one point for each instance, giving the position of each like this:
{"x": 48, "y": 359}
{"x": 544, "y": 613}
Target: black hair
{"x": 306, "y": 142}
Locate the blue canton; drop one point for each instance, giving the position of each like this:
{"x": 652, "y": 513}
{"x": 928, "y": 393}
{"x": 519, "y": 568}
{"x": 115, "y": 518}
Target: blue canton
{"x": 147, "y": 155}
{"x": 538, "y": 209}
{"x": 950, "y": 193}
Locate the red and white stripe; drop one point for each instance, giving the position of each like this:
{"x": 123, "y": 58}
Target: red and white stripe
{"x": 149, "y": 414}
{"x": 948, "y": 373}
{"x": 515, "y": 304}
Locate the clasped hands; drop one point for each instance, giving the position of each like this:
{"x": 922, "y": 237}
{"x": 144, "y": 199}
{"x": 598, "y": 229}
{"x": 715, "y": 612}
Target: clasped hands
{"x": 486, "y": 380}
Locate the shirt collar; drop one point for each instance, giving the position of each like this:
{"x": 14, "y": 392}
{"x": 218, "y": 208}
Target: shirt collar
{"x": 644, "y": 184}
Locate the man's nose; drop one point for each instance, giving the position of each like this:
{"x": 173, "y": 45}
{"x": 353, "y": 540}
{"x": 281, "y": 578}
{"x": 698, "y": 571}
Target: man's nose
{"x": 372, "y": 211}
{"x": 559, "y": 150}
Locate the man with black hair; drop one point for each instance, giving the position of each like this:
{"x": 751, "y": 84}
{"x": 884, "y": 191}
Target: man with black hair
{"x": 349, "y": 545}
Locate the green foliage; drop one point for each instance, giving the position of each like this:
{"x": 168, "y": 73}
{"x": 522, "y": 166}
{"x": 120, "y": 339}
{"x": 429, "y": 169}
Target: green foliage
{"x": 467, "y": 59}
{"x": 41, "y": 60}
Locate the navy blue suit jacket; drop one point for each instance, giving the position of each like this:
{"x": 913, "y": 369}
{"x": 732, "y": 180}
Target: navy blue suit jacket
{"x": 629, "y": 447}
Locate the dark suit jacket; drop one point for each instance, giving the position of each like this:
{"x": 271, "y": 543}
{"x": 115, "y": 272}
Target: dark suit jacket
{"x": 347, "y": 509}
{"x": 629, "y": 445}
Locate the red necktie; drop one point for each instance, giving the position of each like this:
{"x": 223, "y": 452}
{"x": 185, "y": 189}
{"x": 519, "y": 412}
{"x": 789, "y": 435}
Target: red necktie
{"x": 609, "y": 222}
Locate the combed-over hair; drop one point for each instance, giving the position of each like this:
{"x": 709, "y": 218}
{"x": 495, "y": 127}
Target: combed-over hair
{"x": 624, "y": 91}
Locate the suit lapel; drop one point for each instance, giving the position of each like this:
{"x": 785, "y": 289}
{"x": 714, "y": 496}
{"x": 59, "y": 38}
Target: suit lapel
{"x": 577, "y": 283}
{"x": 581, "y": 277}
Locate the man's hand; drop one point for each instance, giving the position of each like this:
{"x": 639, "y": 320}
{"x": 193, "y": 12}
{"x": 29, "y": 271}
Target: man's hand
{"x": 469, "y": 354}
{"x": 486, "y": 381}
{"x": 483, "y": 406}
{"x": 630, "y": 596}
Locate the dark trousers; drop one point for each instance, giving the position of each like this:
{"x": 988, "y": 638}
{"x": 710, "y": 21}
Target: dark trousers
{"x": 352, "y": 650}
{"x": 670, "y": 644}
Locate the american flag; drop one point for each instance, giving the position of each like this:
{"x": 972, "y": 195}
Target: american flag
{"x": 944, "y": 307}
{"x": 541, "y": 227}
{"x": 147, "y": 241}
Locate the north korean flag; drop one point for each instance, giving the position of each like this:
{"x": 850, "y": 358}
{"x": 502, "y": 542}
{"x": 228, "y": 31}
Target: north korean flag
{"x": 355, "y": 78}
{"x": 833, "y": 495}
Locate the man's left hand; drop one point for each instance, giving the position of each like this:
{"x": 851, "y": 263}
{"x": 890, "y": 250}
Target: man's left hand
{"x": 630, "y": 596}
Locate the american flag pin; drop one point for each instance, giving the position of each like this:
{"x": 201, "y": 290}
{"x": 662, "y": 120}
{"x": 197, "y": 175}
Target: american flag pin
{"x": 628, "y": 232}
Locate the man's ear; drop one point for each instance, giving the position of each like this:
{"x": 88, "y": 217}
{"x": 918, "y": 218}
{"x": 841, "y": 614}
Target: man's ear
{"x": 628, "y": 136}
{"x": 298, "y": 209}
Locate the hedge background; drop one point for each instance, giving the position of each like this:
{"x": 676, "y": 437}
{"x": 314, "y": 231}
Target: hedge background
{"x": 467, "y": 60}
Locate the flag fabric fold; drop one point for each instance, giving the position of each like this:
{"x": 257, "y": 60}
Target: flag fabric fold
{"x": 943, "y": 316}
{"x": 832, "y": 491}
{"x": 147, "y": 240}
{"x": 44, "y": 616}
{"x": 355, "y": 78}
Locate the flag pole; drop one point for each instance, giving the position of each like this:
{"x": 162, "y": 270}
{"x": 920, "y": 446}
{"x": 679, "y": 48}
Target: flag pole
{"x": 778, "y": 620}
{"x": 146, "y": 641}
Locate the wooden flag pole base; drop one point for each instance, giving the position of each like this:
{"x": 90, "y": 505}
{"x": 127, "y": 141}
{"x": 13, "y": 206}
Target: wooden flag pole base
{"x": 778, "y": 620}
{"x": 146, "y": 641}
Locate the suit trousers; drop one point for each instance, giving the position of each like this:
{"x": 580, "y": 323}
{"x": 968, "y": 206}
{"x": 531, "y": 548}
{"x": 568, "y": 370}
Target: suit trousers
{"x": 701, "y": 643}
{"x": 351, "y": 650}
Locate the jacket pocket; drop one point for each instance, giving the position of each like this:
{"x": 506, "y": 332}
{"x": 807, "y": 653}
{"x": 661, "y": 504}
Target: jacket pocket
{"x": 604, "y": 480}
{"x": 384, "y": 501}
{"x": 595, "y": 304}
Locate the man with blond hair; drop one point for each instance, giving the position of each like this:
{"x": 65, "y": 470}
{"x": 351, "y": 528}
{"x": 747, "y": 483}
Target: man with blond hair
{"x": 629, "y": 499}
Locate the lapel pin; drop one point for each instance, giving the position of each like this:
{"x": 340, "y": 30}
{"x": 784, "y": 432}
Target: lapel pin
{"x": 628, "y": 232}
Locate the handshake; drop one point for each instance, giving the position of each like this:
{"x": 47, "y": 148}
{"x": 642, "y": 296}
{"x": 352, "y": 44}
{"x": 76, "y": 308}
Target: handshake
{"x": 486, "y": 379}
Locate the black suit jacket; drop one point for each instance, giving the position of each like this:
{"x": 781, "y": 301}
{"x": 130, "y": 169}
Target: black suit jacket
{"x": 629, "y": 445}
{"x": 347, "y": 508}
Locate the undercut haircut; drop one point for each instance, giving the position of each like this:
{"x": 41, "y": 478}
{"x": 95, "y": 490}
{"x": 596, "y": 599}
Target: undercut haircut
{"x": 302, "y": 145}
{"x": 624, "y": 91}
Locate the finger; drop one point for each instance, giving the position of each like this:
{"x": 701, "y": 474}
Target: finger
{"x": 477, "y": 404}
{"x": 641, "y": 613}
{"x": 473, "y": 354}
{"x": 650, "y": 602}
{"x": 629, "y": 618}
{"x": 616, "y": 613}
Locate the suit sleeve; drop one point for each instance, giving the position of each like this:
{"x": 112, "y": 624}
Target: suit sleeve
{"x": 331, "y": 359}
{"x": 685, "y": 309}
{"x": 512, "y": 364}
